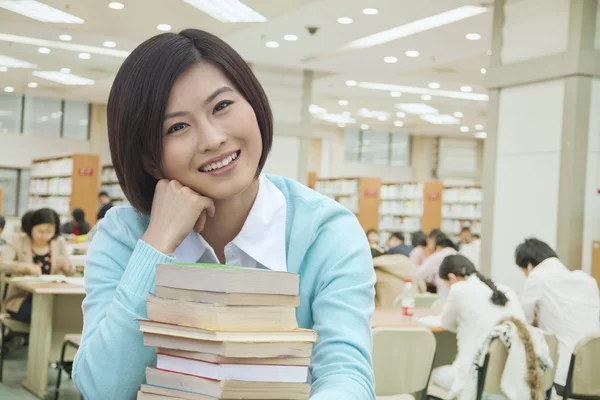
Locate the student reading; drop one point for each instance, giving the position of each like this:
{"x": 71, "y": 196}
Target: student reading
{"x": 190, "y": 129}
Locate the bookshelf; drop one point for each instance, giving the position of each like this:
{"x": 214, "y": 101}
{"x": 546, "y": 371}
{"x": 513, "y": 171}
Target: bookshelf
{"x": 64, "y": 183}
{"x": 110, "y": 184}
{"x": 461, "y": 207}
{"x": 408, "y": 207}
{"x": 359, "y": 195}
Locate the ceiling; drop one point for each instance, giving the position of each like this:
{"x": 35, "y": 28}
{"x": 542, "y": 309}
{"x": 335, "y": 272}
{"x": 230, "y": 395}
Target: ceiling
{"x": 446, "y": 56}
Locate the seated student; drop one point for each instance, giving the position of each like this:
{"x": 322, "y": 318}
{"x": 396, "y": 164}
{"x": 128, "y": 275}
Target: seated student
{"x": 373, "y": 238}
{"x": 392, "y": 271}
{"x": 557, "y": 300}
{"x": 39, "y": 251}
{"x": 418, "y": 254}
{"x": 474, "y": 306}
{"x": 2, "y": 225}
{"x": 395, "y": 244}
{"x": 78, "y": 225}
{"x": 470, "y": 246}
{"x": 429, "y": 270}
{"x": 431, "y": 237}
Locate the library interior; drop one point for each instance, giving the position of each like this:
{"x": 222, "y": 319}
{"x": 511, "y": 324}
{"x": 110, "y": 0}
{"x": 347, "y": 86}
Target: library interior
{"x": 299, "y": 199}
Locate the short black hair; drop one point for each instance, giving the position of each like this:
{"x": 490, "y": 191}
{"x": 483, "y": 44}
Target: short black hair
{"x": 398, "y": 235}
{"x": 444, "y": 241}
{"x": 2, "y": 222}
{"x": 26, "y": 221}
{"x": 103, "y": 193}
{"x": 419, "y": 239}
{"x": 465, "y": 229}
{"x": 138, "y": 100}
{"x": 435, "y": 233}
{"x": 78, "y": 215}
{"x": 533, "y": 251}
{"x": 43, "y": 216}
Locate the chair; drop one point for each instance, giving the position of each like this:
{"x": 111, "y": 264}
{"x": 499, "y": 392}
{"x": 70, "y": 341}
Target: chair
{"x": 424, "y": 300}
{"x": 402, "y": 362}
{"x": 16, "y": 327}
{"x": 582, "y": 381}
{"x": 67, "y": 366}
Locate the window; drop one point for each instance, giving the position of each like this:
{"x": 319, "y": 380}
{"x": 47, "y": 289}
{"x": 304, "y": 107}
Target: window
{"x": 42, "y": 116}
{"x": 15, "y": 191}
{"x": 376, "y": 147}
{"x": 76, "y": 120}
{"x": 10, "y": 113}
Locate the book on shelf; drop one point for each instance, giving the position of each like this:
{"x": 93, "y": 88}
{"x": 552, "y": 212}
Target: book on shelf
{"x": 228, "y": 389}
{"x": 231, "y": 299}
{"x": 226, "y": 279}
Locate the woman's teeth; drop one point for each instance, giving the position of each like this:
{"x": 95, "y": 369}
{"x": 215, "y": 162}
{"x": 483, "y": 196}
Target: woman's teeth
{"x": 219, "y": 164}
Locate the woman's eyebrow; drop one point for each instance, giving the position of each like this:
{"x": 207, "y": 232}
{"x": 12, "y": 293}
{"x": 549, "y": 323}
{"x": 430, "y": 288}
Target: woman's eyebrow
{"x": 209, "y": 99}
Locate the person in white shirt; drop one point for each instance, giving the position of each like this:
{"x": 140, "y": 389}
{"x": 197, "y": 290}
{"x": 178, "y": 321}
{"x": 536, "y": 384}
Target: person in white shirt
{"x": 557, "y": 300}
{"x": 475, "y": 305}
{"x": 429, "y": 270}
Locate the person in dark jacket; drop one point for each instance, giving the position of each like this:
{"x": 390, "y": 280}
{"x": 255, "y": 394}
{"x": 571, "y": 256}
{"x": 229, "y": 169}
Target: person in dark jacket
{"x": 396, "y": 245}
{"x": 78, "y": 225}
{"x": 105, "y": 204}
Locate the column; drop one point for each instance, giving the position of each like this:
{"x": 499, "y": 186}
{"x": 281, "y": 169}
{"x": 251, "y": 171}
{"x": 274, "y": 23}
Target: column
{"x": 541, "y": 157}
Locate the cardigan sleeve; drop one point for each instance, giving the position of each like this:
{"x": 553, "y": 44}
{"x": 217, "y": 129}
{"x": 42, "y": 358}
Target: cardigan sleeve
{"x": 342, "y": 307}
{"x": 120, "y": 271}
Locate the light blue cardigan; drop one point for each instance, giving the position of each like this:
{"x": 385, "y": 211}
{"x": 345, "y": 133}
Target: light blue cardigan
{"x": 325, "y": 245}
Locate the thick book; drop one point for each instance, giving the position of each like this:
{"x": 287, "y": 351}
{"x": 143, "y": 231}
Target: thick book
{"x": 217, "y": 359}
{"x": 149, "y": 392}
{"x": 230, "y": 349}
{"x": 228, "y": 299}
{"x": 228, "y": 389}
{"x": 237, "y": 372}
{"x": 215, "y": 316}
{"x": 226, "y": 279}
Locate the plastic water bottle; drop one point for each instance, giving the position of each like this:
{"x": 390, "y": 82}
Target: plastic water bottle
{"x": 408, "y": 299}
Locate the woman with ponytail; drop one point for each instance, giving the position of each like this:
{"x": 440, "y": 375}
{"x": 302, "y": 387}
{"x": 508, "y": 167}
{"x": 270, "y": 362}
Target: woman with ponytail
{"x": 475, "y": 305}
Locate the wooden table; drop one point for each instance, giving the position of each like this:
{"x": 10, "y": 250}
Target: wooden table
{"x": 56, "y": 311}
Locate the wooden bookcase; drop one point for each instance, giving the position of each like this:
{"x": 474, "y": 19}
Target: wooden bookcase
{"x": 359, "y": 195}
{"x": 461, "y": 207}
{"x": 110, "y": 184}
{"x": 64, "y": 183}
{"x": 408, "y": 207}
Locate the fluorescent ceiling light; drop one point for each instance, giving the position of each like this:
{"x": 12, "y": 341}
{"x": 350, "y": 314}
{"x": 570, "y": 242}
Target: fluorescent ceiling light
{"x": 440, "y": 119}
{"x": 11, "y": 62}
{"x": 65, "y": 70}
{"x": 66, "y": 38}
{"x": 32, "y": 85}
{"x": 458, "y": 114}
{"x": 464, "y": 129}
{"x": 351, "y": 83}
{"x": 163, "y": 27}
{"x": 434, "y": 85}
{"x": 412, "y": 53}
{"x": 364, "y": 127}
{"x": 370, "y": 11}
{"x": 85, "y": 56}
{"x": 366, "y": 113}
{"x": 40, "y": 11}
{"x": 426, "y": 97}
{"x": 398, "y": 124}
{"x": 466, "y": 89}
{"x": 290, "y": 38}
{"x": 343, "y": 102}
{"x": 9, "y": 89}
{"x": 3, "y": 69}
{"x": 400, "y": 114}
{"x": 44, "y": 50}
{"x": 228, "y": 11}
{"x": 115, "y": 5}
{"x": 390, "y": 59}
{"x": 272, "y": 45}
{"x": 473, "y": 36}
{"x": 65, "y": 79}
{"x": 5, "y": 37}
{"x": 483, "y": 71}
{"x": 345, "y": 20}
{"x": 418, "y": 90}
{"x": 382, "y": 118}
{"x": 395, "y": 94}
{"x": 414, "y": 27}
{"x": 416, "y": 108}
{"x": 479, "y": 127}
{"x": 335, "y": 118}
{"x": 315, "y": 109}
{"x": 481, "y": 135}
{"x": 109, "y": 43}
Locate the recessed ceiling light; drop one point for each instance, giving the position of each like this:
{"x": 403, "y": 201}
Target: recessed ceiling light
{"x": 66, "y": 38}
{"x": 458, "y": 114}
{"x": 10, "y": 62}
{"x": 382, "y": 118}
{"x": 65, "y": 79}
{"x": 370, "y": 11}
{"x": 163, "y": 27}
{"x": 481, "y": 135}
{"x": 412, "y": 53}
{"x": 464, "y": 129}
{"x": 343, "y": 102}
{"x": 395, "y": 94}
{"x": 32, "y": 85}
{"x": 390, "y": 59}
{"x": 109, "y": 43}
{"x": 489, "y": 52}
{"x": 479, "y": 127}
{"x": 342, "y": 125}
{"x": 115, "y": 5}
{"x": 56, "y": 44}
{"x": 473, "y": 36}
{"x": 434, "y": 85}
{"x": 228, "y": 11}
{"x": 40, "y": 11}
{"x": 398, "y": 124}
{"x": 85, "y": 56}
{"x": 9, "y": 89}
{"x": 416, "y": 108}
{"x": 65, "y": 70}
{"x": 466, "y": 89}
{"x": 483, "y": 71}
{"x": 272, "y": 45}
{"x": 290, "y": 38}
{"x": 3, "y": 69}
{"x": 364, "y": 127}
{"x": 426, "y": 97}
{"x": 440, "y": 119}
{"x": 351, "y": 83}
{"x": 44, "y": 50}
{"x": 346, "y": 114}
{"x": 400, "y": 114}
{"x": 345, "y": 20}
{"x": 315, "y": 109}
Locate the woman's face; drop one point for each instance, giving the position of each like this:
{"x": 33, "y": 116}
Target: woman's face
{"x": 43, "y": 233}
{"x": 373, "y": 237}
{"x": 212, "y": 142}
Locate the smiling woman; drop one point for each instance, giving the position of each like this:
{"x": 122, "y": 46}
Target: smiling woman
{"x": 190, "y": 129}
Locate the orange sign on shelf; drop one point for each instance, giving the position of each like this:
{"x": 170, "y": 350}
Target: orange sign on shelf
{"x": 435, "y": 196}
{"x": 370, "y": 192}
{"x": 86, "y": 171}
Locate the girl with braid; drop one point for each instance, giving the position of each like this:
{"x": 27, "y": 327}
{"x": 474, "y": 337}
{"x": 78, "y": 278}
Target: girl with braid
{"x": 474, "y": 306}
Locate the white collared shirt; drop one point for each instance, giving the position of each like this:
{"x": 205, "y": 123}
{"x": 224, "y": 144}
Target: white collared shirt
{"x": 567, "y": 304}
{"x": 260, "y": 243}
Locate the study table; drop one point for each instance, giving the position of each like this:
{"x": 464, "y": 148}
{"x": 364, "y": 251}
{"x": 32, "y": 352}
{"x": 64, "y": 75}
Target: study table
{"x": 56, "y": 311}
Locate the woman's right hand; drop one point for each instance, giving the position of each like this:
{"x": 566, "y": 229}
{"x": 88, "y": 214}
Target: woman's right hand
{"x": 176, "y": 211}
{"x": 29, "y": 270}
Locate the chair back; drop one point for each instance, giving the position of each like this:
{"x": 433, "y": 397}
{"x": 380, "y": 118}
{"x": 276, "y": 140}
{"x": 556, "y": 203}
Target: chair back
{"x": 552, "y": 342}
{"x": 585, "y": 365}
{"x": 402, "y": 360}
{"x": 496, "y": 361}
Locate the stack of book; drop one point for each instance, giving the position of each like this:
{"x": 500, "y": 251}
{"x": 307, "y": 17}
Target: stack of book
{"x": 223, "y": 332}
